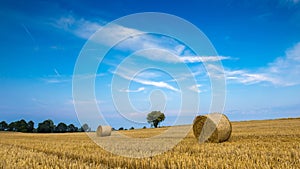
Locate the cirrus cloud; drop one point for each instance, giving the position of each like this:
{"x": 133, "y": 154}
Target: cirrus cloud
{"x": 283, "y": 71}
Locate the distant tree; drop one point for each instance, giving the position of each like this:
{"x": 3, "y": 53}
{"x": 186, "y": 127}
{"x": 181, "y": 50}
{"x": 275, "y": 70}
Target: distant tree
{"x": 71, "y": 128}
{"x": 21, "y": 126}
{"x": 85, "y": 127}
{"x": 121, "y": 128}
{"x": 46, "y": 126}
{"x": 12, "y": 126}
{"x": 61, "y": 128}
{"x": 144, "y": 127}
{"x": 131, "y": 128}
{"x": 113, "y": 129}
{"x": 30, "y": 126}
{"x": 3, "y": 126}
{"x": 155, "y": 117}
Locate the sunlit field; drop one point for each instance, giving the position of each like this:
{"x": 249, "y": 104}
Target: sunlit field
{"x": 253, "y": 144}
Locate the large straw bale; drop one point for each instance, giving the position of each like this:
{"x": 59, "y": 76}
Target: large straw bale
{"x": 214, "y": 127}
{"x": 103, "y": 131}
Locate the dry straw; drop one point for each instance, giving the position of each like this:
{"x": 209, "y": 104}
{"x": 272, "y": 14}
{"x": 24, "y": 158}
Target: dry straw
{"x": 103, "y": 131}
{"x": 214, "y": 127}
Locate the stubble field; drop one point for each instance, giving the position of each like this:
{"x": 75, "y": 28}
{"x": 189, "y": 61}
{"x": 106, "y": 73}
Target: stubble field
{"x": 253, "y": 144}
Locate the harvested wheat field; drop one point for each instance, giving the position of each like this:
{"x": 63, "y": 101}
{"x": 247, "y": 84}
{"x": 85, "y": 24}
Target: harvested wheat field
{"x": 253, "y": 144}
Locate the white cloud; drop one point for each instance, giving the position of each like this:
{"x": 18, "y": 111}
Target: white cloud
{"x": 215, "y": 71}
{"x": 58, "y": 78}
{"x": 115, "y": 33}
{"x": 133, "y": 91}
{"x": 84, "y": 102}
{"x": 245, "y": 77}
{"x": 164, "y": 49}
{"x": 160, "y": 54}
{"x": 149, "y": 74}
{"x": 122, "y": 72}
{"x": 179, "y": 49}
{"x": 284, "y": 71}
{"x": 170, "y": 56}
{"x": 160, "y": 84}
{"x": 80, "y": 27}
{"x": 111, "y": 33}
{"x": 55, "y": 80}
{"x": 195, "y": 88}
{"x": 198, "y": 59}
{"x": 137, "y": 115}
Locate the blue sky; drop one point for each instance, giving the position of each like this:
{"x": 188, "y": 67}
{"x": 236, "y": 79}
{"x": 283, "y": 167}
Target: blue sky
{"x": 258, "y": 43}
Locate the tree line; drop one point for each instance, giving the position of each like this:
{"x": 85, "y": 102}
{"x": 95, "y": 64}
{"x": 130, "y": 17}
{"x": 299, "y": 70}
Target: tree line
{"x": 46, "y": 126}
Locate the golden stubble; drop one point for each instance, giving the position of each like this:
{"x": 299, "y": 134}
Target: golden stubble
{"x": 253, "y": 144}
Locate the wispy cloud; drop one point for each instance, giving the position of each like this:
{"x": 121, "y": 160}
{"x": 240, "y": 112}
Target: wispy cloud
{"x": 84, "y": 102}
{"x": 111, "y": 33}
{"x": 283, "y": 71}
{"x": 163, "y": 49}
{"x": 171, "y": 55}
{"x": 39, "y": 102}
{"x": 124, "y": 73}
{"x": 133, "y": 91}
{"x": 55, "y": 80}
{"x": 198, "y": 59}
{"x": 246, "y": 77}
{"x": 160, "y": 45}
{"x": 58, "y": 78}
{"x": 159, "y": 84}
{"x": 79, "y": 27}
{"x": 195, "y": 88}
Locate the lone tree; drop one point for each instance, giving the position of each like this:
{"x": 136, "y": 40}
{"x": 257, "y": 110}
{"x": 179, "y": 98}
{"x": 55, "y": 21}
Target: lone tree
{"x": 155, "y": 117}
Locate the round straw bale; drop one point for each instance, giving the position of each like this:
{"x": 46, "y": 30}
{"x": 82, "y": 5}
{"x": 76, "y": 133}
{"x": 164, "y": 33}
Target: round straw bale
{"x": 103, "y": 131}
{"x": 214, "y": 127}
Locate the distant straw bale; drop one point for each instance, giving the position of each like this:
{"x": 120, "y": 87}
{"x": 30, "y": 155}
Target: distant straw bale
{"x": 103, "y": 131}
{"x": 214, "y": 127}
